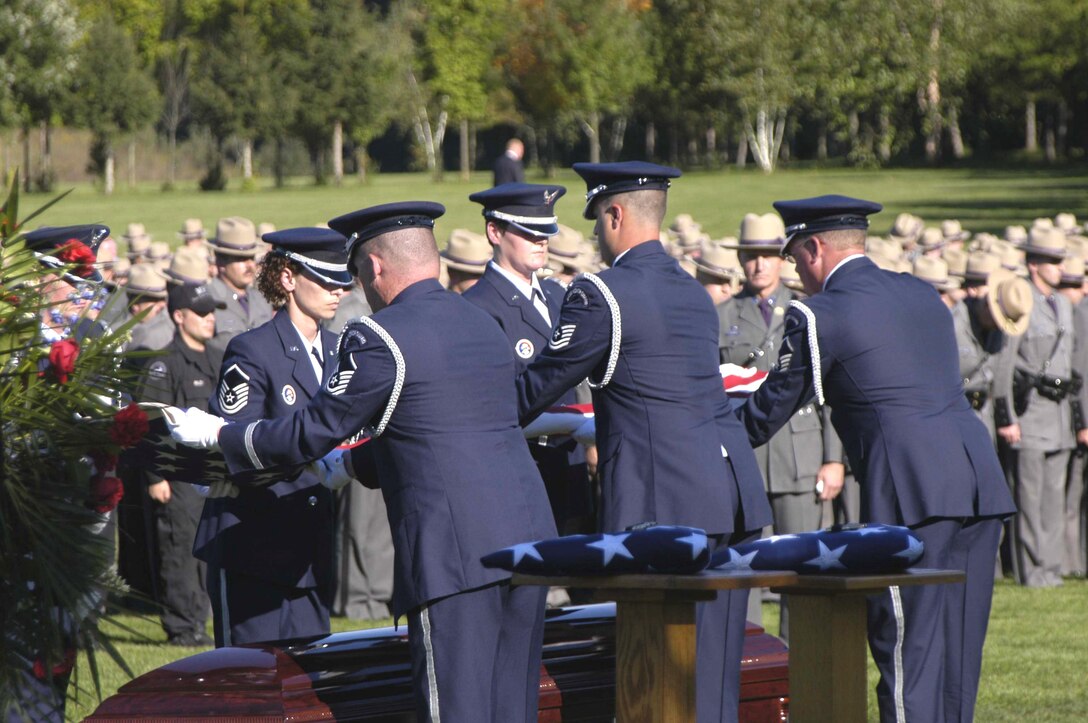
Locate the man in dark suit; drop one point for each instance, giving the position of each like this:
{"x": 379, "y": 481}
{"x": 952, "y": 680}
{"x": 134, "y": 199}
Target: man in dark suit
{"x": 645, "y": 333}
{"x": 508, "y": 166}
{"x": 520, "y": 218}
{"x": 269, "y": 550}
{"x": 424, "y": 376}
{"x": 880, "y": 349}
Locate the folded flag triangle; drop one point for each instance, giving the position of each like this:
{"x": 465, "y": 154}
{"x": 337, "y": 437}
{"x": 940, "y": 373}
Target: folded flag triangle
{"x": 859, "y": 549}
{"x": 661, "y": 548}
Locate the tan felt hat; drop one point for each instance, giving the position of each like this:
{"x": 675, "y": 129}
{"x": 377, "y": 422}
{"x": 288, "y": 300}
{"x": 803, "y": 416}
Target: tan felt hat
{"x": 1009, "y": 300}
{"x": 467, "y": 251}
{"x": 235, "y": 236}
{"x": 145, "y": 280}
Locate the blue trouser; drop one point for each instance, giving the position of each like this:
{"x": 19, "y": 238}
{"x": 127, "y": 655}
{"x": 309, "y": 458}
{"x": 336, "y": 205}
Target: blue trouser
{"x": 476, "y": 655}
{"x": 927, "y": 640}
{"x": 247, "y": 609}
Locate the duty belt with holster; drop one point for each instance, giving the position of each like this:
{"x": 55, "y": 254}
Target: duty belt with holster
{"x": 1047, "y": 385}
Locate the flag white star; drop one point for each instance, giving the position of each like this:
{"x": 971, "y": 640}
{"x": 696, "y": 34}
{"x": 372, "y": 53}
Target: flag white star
{"x": 779, "y": 538}
{"x": 871, "y": 530}
{"x": 525, "y": 549}
{"x": 914, "y": 550}
{"x": 827, "y": 559}
{"x": 612, "y": 545}
{"x": 697, "y": 542}
{"x": 738, "y": 562}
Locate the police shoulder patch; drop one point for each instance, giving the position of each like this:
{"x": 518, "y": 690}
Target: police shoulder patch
{"x": 157, "y": 370}
{"x": 233, "y": 390}
{"x": 576, "y": 295}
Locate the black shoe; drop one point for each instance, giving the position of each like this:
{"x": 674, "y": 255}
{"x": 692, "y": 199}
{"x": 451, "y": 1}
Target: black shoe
{"x": 190, "y": 639}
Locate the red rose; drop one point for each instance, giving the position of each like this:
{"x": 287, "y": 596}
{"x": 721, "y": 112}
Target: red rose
{"x": 64, "y": 667}
{"x": 106, "y": 493}
{"x": 77, "y": 253}
{"x": 103, "y": 461}
{"x": 62, "y": 359}
{"x": 129, "y": 426}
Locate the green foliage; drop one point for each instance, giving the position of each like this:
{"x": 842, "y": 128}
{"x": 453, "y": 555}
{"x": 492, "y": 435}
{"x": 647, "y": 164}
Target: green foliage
{"x": 55, "y": 569}
{"x": 37, "y": 39}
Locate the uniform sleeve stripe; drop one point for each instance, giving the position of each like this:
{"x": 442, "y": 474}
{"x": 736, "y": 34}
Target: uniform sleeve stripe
{"x": 250, "y": 450}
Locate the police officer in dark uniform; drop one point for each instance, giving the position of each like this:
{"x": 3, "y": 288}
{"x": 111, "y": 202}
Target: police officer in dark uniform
{"x": 879, "y": 347}
{"x": 646, "y": 334}
{"x": 520, "y": 220}
{"x": 269, "y": 550}
{"x": 184, "y": 377}
{"x": 424, "y": 375}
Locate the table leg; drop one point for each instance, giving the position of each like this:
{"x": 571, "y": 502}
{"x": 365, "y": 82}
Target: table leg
{"x": 827, "y": 658}
{"x": 655, "y": 661}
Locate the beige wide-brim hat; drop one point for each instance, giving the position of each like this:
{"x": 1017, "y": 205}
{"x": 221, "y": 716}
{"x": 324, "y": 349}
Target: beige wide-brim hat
{"x": 138, "y": 241}
{"x": 764, "y": 232}
{"x": 120, "y": 268}
{"x": 952, "y": 230}
{"x": 907, "y": 228}
{"x": 1076, "y": 246}
{"x": 135, "y": 231}
{"x": 956, "y": 258}
{"x": 980, "y": 264}
{"x": 1048, "y": 242}
{"x": 146, "y": 281}
{"x": 889, "y": 248}
{"x": 189, "y": 266}
{"x": 1067, "y": 222}
{"x": 719, "y": 261}
{"x": 983, "y": 241}
{"x": 1072, "y": 271}
{"x": 1009, "y": 300}
{"x": 235, "y": 236}
{"x": 192, "y": 229}
{"x": 467, "y": 251}
{"x": 159, "y": 251}
{"x": 1016, "y": 235}
{"x": 935, "y": 273}
{"x": 566, "y": 246}
{"x": 932, "y": 239}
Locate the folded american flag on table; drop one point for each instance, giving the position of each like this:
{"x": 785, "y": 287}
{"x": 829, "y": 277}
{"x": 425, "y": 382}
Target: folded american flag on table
{"x": 861, "y": 549}
{"x": 661, "y": 548}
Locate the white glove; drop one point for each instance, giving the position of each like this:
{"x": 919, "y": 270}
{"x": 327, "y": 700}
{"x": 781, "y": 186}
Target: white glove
{"x": 220, "y": 488}
{"x": 195, "y": 428}
{"x": 332, "y": 469}
{"x": 586, "y": 434}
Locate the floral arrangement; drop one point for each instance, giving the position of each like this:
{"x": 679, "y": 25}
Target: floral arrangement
{"x": 62, "y": 425}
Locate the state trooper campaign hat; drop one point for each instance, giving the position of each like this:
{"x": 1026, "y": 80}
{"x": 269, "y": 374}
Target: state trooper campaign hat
{"x": 608, "y": 179}
{"x": 467, "y": 251}
{"x": 58, "y": 247}
{"x": 528, "y": 207}
{"x": 189, "y": 266}
{"x": 192, "y": 296}
{"x": 319, "y": 251}
{"x": 760, "y": 233}
{"x": 808, "y": 216}
{"x": 144, "y": 280}
{"x": 364, "y": 224}
{"x": 235, "y": 236}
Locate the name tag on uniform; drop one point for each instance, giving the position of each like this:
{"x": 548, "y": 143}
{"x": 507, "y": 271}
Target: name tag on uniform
{"x": 198, "y": 382}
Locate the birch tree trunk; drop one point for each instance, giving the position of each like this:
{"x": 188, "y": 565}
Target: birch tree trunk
{"x": 742, "y": 149}
{"x": 247, "y": 159}
{"x": 591, "y": 127}
{"x": 109, "y": 170}
{"x": 429, "y": 138}
{"x": 765, "y": 137}
{"x": 931, "y": 104}
{"x": 955, "y": 135}
{"x": 132, "y": 163}
{"x": 26, "y": 159}
{"x": 651, "y": 140}
{"x": 466, "y": 165}
{"x": 338, "y": 152}
{"x": 1031, "y": 127}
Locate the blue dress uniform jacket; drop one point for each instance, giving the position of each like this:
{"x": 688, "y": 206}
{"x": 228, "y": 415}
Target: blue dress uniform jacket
{"x": 282, "y": 533}
{"x": 454, "y": 469}
{"x": 670, "y": 449}
{"x": 888, "y": 366}
{"x": 563, "y": 466}
{"x": 890, "y": 373}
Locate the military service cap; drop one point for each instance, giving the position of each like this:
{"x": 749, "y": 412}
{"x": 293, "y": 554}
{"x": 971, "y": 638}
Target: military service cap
{"x": 319, "y": 251}
{"x": 528, "y": 207}
{"x": 365, "y": 224}
{"x": 823, "y": 213}
{"x": 607, "y": 179}
{"x": 59, "y": 246}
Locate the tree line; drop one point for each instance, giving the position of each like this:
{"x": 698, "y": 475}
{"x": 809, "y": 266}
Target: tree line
{"x": 691, "y": 82}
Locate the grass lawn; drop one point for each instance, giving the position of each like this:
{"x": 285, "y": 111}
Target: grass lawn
{"x": 982, "y": 199}
{"x": 1034, "y": 665}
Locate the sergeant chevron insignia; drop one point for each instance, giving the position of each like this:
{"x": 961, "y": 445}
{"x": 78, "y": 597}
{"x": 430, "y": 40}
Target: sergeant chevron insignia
{"x": 562, "y": 335}
{"x": 338, "y": 382}
{"x": 233, "y": 390}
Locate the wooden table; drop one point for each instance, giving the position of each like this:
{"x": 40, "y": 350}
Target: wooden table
{"x": 655, "y": 634}
{"x": 655, "y": 637}
{"x": 828, "y": 640}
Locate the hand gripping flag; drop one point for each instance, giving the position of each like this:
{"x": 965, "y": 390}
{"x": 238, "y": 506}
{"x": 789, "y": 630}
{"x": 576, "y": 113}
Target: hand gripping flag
{"x": 860, "y": 549}
{"x": 660, "y": 549}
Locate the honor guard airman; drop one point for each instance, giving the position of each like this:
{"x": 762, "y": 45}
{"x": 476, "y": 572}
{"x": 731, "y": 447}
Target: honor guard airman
{"x": 645, "y": 333}
{"x": 270, "y": 549}
{"x": 880, "y": 349}
{"x": 422, "y": 377}
{"x": 802, "y": 464}
{"x": 520, "y": 218}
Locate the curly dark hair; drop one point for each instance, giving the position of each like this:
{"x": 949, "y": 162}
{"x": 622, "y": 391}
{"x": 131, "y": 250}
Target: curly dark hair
{"x": 268, "y": 278}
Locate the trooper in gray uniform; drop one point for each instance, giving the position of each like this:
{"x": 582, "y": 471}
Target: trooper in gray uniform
{"x": 802, "y": 463}
{"x": 996, "y": 309}
{"x": 236, "y": 246}
{"x": 1043, "y": 435}
{"x": 146, "y": 291}
{"x": 1072, "y": 287}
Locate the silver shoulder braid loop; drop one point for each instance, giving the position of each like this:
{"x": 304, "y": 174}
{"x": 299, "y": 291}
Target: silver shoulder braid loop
{"x": 814, "y": 350}
{"x": 617, "y": 329}
{"x": 398, "y": 383}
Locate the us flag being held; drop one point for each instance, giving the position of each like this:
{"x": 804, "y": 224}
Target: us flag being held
{"x": 160, "y": 455}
